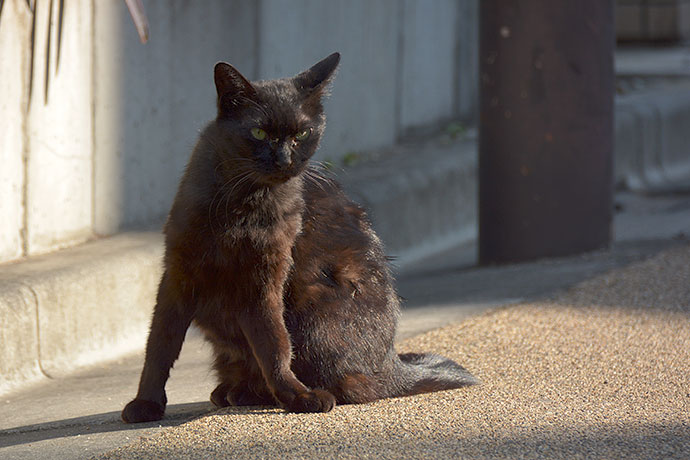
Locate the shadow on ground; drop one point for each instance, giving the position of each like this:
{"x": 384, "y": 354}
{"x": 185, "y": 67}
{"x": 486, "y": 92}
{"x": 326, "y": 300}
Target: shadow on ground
{"x": 99, "y": 423}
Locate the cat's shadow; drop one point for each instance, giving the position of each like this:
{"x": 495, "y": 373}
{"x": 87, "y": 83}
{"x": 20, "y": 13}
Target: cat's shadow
{"x": 110, "y": 422}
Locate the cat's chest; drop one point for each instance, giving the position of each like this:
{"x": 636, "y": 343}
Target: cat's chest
{"x": 260, "y": 232}
{"x": 262, "y": 221}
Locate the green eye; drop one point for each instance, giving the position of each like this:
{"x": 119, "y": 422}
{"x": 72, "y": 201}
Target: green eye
{"x": 302, "y": 135}
{"x": 258, "y": 133}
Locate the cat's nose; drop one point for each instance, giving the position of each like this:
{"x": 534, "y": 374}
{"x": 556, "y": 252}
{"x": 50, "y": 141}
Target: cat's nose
{"x": 283, "y": 158}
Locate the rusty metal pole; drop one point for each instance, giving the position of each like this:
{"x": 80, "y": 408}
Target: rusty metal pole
{"x": 546, "y": 128}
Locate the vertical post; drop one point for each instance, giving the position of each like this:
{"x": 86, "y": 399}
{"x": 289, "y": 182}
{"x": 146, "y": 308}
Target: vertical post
{"x": 546, "y": 128}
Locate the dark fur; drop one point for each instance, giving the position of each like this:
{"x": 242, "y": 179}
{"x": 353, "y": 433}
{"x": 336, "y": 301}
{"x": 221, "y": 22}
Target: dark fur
{"x": 278, "y": 267}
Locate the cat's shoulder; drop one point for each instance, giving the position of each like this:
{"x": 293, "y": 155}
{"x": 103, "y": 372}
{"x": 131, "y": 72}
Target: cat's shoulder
{"x": 326, "y": 198}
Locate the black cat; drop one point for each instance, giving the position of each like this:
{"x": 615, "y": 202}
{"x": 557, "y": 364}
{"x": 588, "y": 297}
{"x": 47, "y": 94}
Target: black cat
{"x": 280, "y": 270}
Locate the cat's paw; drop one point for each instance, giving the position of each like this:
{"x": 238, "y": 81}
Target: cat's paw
{"x": 140, "y": 410}
{"x": 312, "y": 401}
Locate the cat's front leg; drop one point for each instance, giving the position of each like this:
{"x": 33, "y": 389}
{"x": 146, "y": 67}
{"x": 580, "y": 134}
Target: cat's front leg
{"x": 168, "y": 328}
{"x": 270, "y": 342}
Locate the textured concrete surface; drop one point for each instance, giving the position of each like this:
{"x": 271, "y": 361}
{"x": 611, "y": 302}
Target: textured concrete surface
{"x": 599, "y": 371}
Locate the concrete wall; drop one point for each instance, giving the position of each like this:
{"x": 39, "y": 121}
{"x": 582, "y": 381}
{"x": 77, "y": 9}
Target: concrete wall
{"x": 96, "y": 128}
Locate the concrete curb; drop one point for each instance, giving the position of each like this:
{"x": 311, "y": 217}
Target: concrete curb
{"x": 77, "y": 306}
{"x": 421, "y": 198}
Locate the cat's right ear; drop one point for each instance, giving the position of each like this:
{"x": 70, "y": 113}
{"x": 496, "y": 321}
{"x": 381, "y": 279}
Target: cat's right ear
{"x": 231, "y": 86}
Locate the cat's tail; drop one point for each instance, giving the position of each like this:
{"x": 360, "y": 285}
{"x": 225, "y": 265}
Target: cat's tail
{"x": 427, "y": 372}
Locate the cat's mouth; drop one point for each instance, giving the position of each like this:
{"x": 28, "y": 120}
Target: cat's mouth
{"x": 270, "y": 175}
{"x": 277, "y": 177}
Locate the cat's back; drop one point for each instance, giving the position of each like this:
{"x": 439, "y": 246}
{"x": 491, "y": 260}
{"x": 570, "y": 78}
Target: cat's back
{"x": 337, "y": 255}
{"x": 332, "y": 219}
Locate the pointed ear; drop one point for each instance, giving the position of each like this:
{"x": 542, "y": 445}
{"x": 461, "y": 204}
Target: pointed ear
{"x": 316, "y": 78}
{"x": 229, "y": 82}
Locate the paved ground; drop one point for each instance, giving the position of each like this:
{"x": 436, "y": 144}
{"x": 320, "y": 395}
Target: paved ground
{"x": 599, "y": 371}
{"x": 543, "y": 365}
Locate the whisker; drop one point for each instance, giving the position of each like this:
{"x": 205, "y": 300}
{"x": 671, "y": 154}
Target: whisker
{"x": 325, "y": 176}
{"x": 328, "y": 168}
{"x": 239, "y": 182}
{"x": 225, "y": 193}
{"x": 315, "y": 179}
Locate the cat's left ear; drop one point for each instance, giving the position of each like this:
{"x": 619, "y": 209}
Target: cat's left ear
{"x": 317, "y": 77}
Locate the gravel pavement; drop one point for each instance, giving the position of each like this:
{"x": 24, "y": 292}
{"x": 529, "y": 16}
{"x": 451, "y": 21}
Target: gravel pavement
{"x": 600, "y": 371}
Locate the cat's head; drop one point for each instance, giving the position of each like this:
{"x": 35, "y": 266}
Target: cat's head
{"x": 273, "y": 126}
